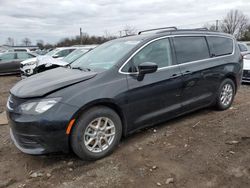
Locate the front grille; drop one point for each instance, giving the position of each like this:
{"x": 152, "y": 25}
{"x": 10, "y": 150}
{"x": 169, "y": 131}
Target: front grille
{"x": 27, "y": 142}
{"x": 246, "y": 73}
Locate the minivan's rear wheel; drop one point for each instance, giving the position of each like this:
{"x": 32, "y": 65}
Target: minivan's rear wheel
{"x": 96, "y": 133}
{"x": 225, "y": 95}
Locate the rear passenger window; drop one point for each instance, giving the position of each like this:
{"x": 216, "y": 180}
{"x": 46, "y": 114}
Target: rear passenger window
{"x": 190, "y": 49}
{"x": 220, "y": 45}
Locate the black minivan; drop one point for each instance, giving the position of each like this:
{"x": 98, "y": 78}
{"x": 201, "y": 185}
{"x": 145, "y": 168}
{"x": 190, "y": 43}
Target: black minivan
{"x": 121, "y": 86}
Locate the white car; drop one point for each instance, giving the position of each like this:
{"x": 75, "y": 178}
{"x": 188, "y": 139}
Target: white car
{"x": 28, "y": 66}
{"x": 52, "y": 60}
{"x": 246, "y": 61}
{"x": 246, "y": 69}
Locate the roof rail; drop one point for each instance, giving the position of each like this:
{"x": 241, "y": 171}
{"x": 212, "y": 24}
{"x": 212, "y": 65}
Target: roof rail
{"x": 162, "y": 28}
{"x": 195, "y": 29}
{"x": 202, "y": 29}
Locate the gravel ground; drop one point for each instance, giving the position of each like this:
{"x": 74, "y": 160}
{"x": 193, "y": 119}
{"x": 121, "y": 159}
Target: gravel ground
{"x": 204, "y": 149}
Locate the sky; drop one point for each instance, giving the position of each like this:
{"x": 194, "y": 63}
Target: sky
{"x": 51, "y": 20}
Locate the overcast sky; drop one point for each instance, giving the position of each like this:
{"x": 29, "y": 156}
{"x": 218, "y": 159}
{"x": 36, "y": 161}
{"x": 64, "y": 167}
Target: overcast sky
{"x": 51, "y": 20}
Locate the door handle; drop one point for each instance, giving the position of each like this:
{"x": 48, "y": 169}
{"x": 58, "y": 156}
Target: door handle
{"x": 174, "y": 76}
{"x": 187, "y": 72}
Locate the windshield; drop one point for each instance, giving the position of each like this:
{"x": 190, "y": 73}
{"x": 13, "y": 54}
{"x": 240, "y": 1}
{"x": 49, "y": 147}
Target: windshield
{"x": 104, "y": 56}
{"x": 53, "y": 52}
{"x": 74, "y": 55}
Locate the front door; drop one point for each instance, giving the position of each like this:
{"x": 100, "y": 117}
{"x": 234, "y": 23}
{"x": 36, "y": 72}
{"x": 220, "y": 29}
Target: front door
{"x": 156, "y": 97}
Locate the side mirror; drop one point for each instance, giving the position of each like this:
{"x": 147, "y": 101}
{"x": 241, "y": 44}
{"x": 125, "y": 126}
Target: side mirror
{"x": 55, "y": 56}
{"x": 146, "y": 68}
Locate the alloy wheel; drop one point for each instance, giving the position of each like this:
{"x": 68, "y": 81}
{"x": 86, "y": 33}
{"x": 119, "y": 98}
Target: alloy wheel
{"x": 99, "y": 134}
{"x": 226, "y": 94}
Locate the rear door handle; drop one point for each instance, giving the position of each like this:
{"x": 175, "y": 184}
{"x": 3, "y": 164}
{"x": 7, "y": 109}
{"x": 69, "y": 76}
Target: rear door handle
{"x": 174, "y": 76}
{"x": 187, "y": 72}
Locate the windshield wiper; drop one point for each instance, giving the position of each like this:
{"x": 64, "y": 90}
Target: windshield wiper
{"x": 81, "y": 69}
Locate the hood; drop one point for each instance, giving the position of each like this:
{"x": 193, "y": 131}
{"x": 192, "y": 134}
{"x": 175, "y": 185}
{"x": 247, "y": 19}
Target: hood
{"x": 43, "y": 59}
{"x": 246, "y": 64}
{"x": 48, "y": 61}
{"x": 43, "y": 83}
{"x": 29, "y": 60}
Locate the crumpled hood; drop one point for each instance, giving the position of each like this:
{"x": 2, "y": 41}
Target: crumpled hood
{"x": 43, "y": 83}
{"x": 48, "y": 61}
{"x": 34, "y": 59}
{"x": 246, "y": 64}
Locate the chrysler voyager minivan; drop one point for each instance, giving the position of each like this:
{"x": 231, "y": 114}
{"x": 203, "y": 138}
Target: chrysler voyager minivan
{"x": 121, "y": 86}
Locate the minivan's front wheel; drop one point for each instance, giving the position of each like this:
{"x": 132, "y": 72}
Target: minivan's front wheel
{"x": 96, "y": 133}
{"x": 225, "y": 94}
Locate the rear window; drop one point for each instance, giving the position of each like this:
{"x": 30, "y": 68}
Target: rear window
{"x": 220, "y": 45}
{"x": 190, "y": 49}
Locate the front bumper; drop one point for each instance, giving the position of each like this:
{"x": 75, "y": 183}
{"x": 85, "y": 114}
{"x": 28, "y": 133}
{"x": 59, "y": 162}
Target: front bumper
{"x": 246, "y": 76}
{"x": 43, "y": 133}
{"x": 26, "y": 70}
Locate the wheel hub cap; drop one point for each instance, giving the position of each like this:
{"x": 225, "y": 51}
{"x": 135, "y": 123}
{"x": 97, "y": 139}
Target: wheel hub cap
{"x": 226, "y": 94}
{"x": 99, "y": 134}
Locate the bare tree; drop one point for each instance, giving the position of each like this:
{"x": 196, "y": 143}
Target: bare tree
{"x": 210, "y": 27}
{"x": 234, "y": 23}
{"x": 10, "y": 41}
{"x": 128, "y": 30}
{"x": 246, "y": 34}
{"x": 40, "y": 44}
{"x": 26, "y": 42}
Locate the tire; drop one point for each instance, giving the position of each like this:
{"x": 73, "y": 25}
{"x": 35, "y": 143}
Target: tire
{"x": 89, "y": 140}
{"x": 225, "y": 94}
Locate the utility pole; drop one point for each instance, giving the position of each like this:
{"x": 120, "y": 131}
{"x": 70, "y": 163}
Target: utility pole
{"x": 217, "y": 25}
{"x": 81, "y": 35}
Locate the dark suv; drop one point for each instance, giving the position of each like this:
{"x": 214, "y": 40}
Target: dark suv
{"x": 121, "y": 86}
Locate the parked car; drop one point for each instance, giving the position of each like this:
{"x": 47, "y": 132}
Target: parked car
{"x": 43, "y": 63}
{"x": 10, "y": 61}
{"x": 246, "y": 62}
{"x": 246, "y": 69}
{"x": 122, "y": 86}
{"x": 243, "y": 47}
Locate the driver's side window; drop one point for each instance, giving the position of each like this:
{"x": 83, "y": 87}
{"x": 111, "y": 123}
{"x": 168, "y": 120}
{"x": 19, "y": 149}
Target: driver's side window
{"x": 158, "y": 52}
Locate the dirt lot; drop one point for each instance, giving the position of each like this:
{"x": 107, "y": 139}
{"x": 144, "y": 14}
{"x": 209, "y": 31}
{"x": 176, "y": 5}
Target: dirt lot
{"x": 203, "y": 149}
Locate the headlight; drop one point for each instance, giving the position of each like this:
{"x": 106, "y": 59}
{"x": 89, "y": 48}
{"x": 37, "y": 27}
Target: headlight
{"x": 30, "y": 63}
{"x": 38, "y": 107}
